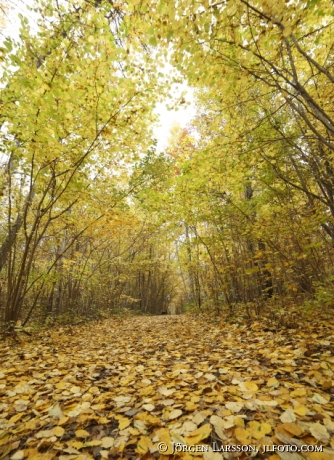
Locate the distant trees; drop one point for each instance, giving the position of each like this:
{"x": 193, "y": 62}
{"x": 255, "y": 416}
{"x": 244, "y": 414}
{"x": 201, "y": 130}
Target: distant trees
{"x": 257, "y": 185}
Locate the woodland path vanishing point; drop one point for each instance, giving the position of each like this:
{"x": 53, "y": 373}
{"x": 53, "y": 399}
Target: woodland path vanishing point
{"x": 118, "y": 388}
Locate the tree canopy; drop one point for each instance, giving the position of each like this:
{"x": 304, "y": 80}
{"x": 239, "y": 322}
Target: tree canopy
{"x": 237, "y": 211}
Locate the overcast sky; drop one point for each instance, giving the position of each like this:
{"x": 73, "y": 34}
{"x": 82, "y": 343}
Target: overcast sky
{"x": 169, "y": 118}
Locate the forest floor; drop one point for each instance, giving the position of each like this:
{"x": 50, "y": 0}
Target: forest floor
{"x": 131, "y": 388}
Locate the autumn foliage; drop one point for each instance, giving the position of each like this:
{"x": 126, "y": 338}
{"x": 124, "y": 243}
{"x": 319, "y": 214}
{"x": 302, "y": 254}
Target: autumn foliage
{"x": 101, "y": 233}
{"x": 236, "y": 214}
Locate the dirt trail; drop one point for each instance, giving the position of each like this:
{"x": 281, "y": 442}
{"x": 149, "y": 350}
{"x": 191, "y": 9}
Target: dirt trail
{"x": 127, "y": 388}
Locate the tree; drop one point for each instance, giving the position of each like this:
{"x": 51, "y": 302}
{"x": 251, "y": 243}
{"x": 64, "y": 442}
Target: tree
{"x": 75, "y": 103}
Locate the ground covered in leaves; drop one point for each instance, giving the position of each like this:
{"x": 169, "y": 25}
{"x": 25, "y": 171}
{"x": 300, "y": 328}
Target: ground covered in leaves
{"x": 122, "y": 389}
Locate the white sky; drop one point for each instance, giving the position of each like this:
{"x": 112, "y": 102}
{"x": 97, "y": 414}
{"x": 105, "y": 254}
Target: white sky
{"x": 168, "y": 118}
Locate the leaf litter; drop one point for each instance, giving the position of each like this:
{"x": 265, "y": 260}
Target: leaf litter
{"x": 117, "y": 389}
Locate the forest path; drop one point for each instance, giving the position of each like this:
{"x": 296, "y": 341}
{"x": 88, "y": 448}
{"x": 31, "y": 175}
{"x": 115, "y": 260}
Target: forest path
{"x": 117, "y": 388}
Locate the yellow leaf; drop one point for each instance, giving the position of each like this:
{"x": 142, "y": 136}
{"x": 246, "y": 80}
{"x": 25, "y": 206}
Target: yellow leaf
{"x": 326, "y": 384}
{"x": 94, "y": 390}
{"x": 191, "y": 406}
{"x": 175, "y": 414}
{"x": 325, "y": 365}
{"x": 19, "y": 455}
{"x": 123, "y": 423}
{"x": 272, "y": 382}
{"x": 61, "y": 385}
{"x": 251, "y": 386}
{"x": 288, "y": 416}
{"x": 164, "y": 436}
{"x": 214, "y": 420}
{"x": 191, "y": 426}
{"x": 58, "y": 431}
{"x": 103, "y": 420}
{"x": 92, "y": 443}
{"x": 234, "y": 406}
{"x": 198, "y": 435}
{"x": 146, "y": 391}
{"x": 239, "y": 422}
{"x": 166, "y": 392}
{"x": 143, "y": 445}
{"x": 259, "y": 430}
{"x": 76, "y": 444}
{"x": 107, "y": 442}
{"x": 33, "y": 454}
{"x": 148, "y": 407}
{"x": 319, "y": 432}
{"x": 15, "y": 418}
{"x": 293, "y": 428}
{"x": 242, "y": 435}
{"x": 300, "y": 410}
{"x": 82, "y": 434}
{"x": 298, "y": 393}
{"x": 319, "y": 399}
{"x": 63, "y": 420}
{"x": 148, "y": 418}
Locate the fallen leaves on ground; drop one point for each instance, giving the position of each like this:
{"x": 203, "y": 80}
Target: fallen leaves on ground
{"x": 116, "y": 390}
